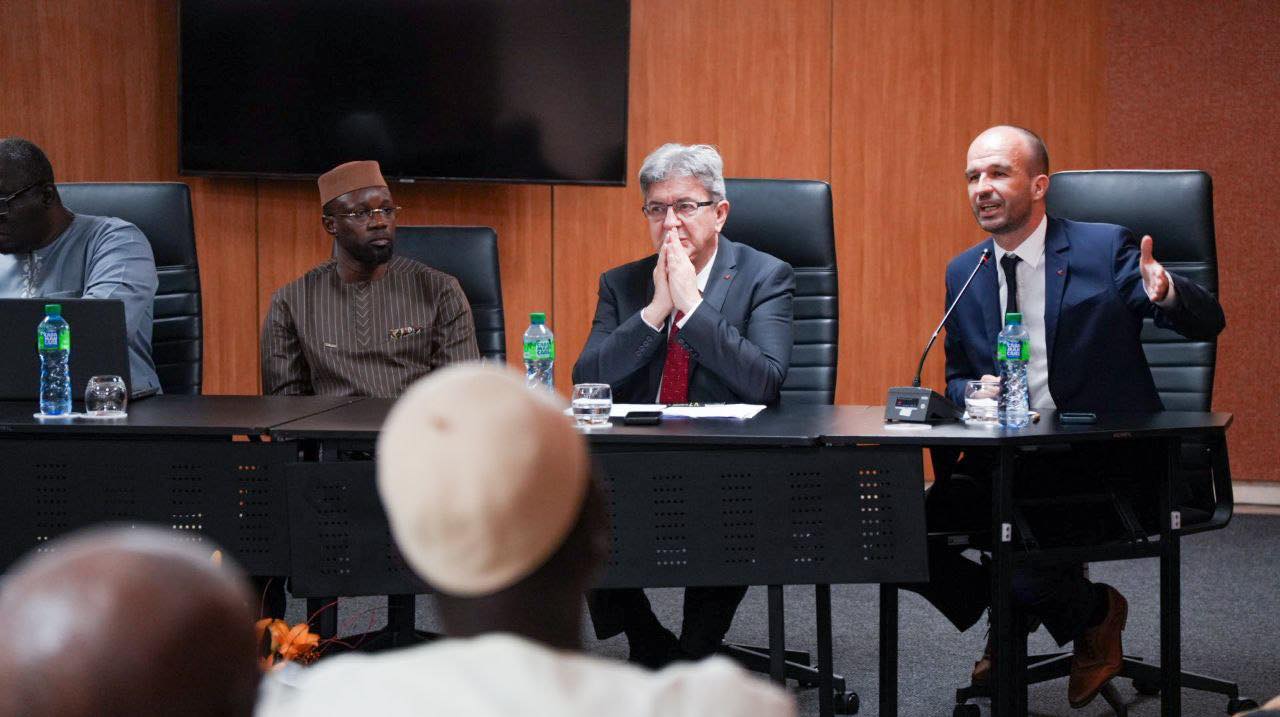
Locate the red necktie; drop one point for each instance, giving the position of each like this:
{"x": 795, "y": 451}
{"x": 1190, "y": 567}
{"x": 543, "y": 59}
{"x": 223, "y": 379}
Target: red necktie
{"x": 675, "y": 372}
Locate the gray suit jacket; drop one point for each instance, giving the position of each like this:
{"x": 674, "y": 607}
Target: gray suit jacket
{"x": 739, "y": 339}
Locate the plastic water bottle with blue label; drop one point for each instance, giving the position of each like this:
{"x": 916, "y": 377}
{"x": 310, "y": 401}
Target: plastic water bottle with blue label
{"x": 1013, "y": 350}
{"x": 53, "y": 343}
{"x": 539, "y": 352}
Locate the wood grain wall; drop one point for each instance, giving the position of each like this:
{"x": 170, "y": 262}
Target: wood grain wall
{"x": 880, "y": 99}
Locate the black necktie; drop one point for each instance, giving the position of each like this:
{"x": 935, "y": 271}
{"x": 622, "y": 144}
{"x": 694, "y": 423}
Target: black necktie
{"x": 1009, "y": 262}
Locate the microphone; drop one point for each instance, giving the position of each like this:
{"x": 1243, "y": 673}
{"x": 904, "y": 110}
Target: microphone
{"x": 913, "y": 404}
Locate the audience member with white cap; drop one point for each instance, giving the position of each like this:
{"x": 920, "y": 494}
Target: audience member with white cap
{"x": 488, "y": 492}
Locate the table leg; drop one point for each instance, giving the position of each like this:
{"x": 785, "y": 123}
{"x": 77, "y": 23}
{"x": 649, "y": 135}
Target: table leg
{"x": 826, "y": 694}
{"x": 323, "y": 613}
{"x": 888, "y": 650}
{"x": 777, "y": 636}
{"x": 1009, "y": 693}
{"x": 1170, "y": 602}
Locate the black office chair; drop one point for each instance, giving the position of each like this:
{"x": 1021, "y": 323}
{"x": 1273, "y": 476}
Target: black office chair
{"x": 791, "y": 219}
{"x": 162, "y": 210}
{"x": 469, "y": 254}
{"x": 1176, "y": 209}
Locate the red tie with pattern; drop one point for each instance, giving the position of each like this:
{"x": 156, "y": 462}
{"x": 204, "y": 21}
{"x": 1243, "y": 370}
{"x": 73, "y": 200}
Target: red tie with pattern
{"x": 675, "y": 372}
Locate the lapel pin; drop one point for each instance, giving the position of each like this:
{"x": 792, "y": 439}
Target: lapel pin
{"x": 728, "y": 276}
{"x": 1061, "y": 272}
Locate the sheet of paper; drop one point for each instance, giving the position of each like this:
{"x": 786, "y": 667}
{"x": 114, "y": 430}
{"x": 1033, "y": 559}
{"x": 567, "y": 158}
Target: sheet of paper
{"x": 740, "y": 411}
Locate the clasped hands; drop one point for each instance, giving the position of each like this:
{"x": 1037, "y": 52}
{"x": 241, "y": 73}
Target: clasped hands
{"x": 675, "y": 282}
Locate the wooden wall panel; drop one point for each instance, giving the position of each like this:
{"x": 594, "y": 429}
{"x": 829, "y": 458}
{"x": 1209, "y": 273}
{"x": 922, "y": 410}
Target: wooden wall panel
{"x": 916, "y": 81}
{"x": 100, "y": 102}
{"x": 227, "y": 246}
{"x": 750, "y": 76}
{"x": 1212, "y": 106}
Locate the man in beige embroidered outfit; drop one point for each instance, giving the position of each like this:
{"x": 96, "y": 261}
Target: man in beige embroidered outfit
{"x": 366, "y": 322}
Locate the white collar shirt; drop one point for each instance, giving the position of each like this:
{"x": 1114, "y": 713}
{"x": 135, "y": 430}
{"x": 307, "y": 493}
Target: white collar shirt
{"x": 1031, "y": 301}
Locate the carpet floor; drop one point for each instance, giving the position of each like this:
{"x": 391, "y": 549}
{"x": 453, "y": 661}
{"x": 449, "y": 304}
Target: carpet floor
{"x": 1230, "y": 624}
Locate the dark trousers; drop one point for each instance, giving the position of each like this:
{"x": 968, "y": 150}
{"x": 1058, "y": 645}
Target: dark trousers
{"x": 1059, "y": 595}
{"x": 708, "y": 613}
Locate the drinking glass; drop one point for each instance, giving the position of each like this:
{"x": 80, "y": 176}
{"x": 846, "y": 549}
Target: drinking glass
{"x": 105, "y": 397}
{"x": 591, "y": 403}
{"x": 980, "y": 401}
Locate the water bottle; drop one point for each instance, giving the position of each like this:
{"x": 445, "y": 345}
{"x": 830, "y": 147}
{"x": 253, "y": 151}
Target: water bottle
{"x": 539, "y": 352}
{"x": 1012, "y": 353}
{"x": 53, "y": 343}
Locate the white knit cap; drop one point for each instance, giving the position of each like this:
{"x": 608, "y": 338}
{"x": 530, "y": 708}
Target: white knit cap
{"x": 482, "y": 478}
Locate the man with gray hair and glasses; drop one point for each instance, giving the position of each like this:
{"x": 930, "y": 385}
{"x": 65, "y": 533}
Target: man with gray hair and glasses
{"x": 702, "y": 320}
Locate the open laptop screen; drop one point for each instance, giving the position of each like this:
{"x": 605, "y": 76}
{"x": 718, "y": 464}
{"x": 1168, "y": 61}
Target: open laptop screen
{"x": 99, "y": 344}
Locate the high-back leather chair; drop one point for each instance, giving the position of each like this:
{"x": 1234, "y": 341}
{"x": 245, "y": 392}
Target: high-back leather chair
{"x": 791, "y": 219}
{"x": 1176, "y": 209}
{"x": 162, "y": 210}
{"x": 470, "y": 255}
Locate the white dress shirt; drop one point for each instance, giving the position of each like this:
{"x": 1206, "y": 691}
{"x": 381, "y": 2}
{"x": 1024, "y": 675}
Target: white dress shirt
{"x": 501, "y": 675}
{"x": 1031, "y": 304}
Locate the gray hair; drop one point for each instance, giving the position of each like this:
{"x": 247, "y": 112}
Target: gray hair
{"x": 700, "y": 161}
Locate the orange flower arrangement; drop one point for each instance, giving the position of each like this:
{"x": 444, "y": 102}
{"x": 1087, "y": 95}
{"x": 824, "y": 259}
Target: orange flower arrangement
{"x": 287, "y": 644}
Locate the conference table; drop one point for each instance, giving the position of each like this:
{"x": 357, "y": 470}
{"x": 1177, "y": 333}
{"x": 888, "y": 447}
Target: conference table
{"x": 799, "y": 495}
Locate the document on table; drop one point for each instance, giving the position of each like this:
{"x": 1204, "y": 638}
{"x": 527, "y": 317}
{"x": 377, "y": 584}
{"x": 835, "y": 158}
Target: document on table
{"x": 740, "y": 411}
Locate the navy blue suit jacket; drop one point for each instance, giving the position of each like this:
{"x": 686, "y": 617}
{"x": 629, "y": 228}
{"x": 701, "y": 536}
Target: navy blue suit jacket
{"x": 1094, "y": 307}
{"x": 739, "y": 339}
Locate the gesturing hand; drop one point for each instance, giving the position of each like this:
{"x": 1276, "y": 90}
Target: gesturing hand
{"x": 682, "y": 278}
{"x": 1154, "y": 278}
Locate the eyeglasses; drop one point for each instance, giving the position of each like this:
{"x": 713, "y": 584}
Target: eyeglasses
{"x": 365, "y": 215}
{"x": 4, "y": 201}
{"x": 685, "y": 208}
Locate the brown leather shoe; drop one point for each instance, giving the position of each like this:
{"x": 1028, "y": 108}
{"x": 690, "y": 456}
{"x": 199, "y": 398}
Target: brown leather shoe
{"x": 1098, "y": 653}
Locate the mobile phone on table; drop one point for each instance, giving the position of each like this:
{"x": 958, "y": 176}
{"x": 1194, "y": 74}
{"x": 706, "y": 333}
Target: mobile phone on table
{"x": 1078, "y": 417}
{"x": 643, "y": 418}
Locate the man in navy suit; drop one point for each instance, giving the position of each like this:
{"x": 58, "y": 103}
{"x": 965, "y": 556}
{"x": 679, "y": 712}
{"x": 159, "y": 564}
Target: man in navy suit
{"x": 1083, "y": 290}
{"x": 702, "y": 320}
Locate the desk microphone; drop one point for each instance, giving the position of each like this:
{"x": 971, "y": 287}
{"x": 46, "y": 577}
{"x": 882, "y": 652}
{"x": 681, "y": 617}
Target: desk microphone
{"x": 913, "y": 404}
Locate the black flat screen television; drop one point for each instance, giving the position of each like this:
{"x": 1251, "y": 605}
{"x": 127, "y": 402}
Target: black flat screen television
{"x": 484, "y": 90}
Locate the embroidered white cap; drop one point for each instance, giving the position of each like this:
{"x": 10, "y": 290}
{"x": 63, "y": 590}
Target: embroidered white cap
{"x": 482, "y": 478}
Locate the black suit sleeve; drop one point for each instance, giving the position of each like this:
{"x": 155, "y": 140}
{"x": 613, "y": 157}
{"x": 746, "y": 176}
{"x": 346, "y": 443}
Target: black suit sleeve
{"x": 618, "y": 346}
{"x": 1196, "y": 314}
{"x": 752, "y": 366}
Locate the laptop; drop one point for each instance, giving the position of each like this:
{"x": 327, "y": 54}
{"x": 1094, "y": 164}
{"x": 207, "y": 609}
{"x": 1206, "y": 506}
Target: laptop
{"x": 99, "y": 344}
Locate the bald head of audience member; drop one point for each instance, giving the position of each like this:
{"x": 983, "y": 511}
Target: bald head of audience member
{"x": 488, "y": 492}
{"x": 125, "y": 622}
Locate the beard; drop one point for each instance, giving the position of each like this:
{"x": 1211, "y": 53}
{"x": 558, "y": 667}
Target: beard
{"x": 370, "y": 254}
